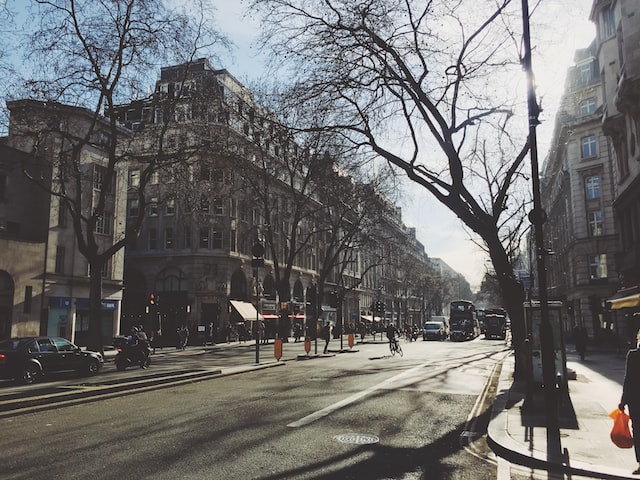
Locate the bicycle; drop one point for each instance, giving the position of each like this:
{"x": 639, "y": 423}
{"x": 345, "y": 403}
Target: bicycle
{"x": 395, "y": 347}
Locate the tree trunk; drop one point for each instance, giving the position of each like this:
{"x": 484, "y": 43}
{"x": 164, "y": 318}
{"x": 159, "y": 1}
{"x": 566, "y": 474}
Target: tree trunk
{"x": 95, "y": 342}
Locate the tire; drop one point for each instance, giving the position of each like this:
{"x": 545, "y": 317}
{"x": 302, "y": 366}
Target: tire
{"x": 92, "y": 367}
{"x": 120, "y": 364}
{"x": 399, "y": 349}
{"x": 30, "y": 374}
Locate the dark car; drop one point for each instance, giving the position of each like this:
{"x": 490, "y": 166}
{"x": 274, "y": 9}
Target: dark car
{"x": 27, "y": 358}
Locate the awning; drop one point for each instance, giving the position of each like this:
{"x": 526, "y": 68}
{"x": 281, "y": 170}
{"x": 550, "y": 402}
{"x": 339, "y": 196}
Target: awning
{"x": 625, "y": 302}
{"x": 270, "y": 316}
{"x": 246, "y": 310}
{"x": 369, "y": 318}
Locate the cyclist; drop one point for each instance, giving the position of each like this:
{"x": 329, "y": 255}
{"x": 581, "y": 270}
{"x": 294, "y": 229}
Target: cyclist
{"x": 391, "y": 335}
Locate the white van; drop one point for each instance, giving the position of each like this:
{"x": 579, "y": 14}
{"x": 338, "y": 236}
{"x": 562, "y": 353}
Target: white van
{"x": 444, "y": 320}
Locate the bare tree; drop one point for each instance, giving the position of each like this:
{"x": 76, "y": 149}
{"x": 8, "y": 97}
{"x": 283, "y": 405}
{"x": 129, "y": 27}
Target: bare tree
{"x": 416, "y": 83}
{"x": 95, "y": 55}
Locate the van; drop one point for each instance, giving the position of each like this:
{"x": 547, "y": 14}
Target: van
{"x": 444, "y": 320}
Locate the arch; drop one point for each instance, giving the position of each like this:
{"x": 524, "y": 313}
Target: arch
{"x": 7, "y": 289}
{"x": 238, "y": 286}
{"x": 269, "y": 288}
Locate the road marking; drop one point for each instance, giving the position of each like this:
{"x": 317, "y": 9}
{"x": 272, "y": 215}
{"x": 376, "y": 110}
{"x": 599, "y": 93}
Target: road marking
{"x": 353, "y": 398}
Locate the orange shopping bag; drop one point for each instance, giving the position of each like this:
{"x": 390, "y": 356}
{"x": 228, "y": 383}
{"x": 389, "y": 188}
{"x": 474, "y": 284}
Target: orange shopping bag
{"x": 620, "y": 433}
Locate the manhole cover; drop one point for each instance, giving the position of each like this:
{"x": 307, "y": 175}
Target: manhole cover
{"x": 357, "y": 438}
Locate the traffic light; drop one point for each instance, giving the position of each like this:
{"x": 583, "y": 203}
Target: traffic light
{"x": 152, "y": 299}
{"x": 258, "y": 255}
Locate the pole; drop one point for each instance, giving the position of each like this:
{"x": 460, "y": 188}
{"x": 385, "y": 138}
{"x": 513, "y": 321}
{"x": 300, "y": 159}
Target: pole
{"x": 537, "y": 217}
{"x": 257, "y": 325}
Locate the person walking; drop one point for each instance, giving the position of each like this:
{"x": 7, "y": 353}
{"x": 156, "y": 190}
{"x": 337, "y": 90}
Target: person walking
{"x": 631, "y": 396}
{"x": 326, "y": 334}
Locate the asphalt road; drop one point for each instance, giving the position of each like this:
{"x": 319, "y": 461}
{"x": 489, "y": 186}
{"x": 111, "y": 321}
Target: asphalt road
{"x": 359, "y": 415}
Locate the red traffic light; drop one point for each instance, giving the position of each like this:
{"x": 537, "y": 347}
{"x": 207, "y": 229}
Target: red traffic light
{"x": 152, "y": 299}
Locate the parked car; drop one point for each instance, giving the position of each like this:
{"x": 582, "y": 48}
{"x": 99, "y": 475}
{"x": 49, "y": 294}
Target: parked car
{"x": 25, "y": 359}
{"x": 434, "y": 331}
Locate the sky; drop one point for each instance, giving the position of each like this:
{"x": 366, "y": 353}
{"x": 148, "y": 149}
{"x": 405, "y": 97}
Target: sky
{"x": 442, "y": 233}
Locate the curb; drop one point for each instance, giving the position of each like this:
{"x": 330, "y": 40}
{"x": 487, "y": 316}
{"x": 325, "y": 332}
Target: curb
{"x": 504, "y": 445}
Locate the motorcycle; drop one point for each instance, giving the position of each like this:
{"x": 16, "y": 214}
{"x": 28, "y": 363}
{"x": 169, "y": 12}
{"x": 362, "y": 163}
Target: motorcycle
{"x": 132, "y": 354}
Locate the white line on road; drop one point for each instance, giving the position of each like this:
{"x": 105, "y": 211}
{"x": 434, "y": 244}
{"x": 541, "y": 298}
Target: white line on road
{"x": 355, "y": 397}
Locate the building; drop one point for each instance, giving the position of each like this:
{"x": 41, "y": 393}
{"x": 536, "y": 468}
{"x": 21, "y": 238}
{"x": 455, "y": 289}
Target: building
{"x": 577, "y": 193}
{"x": 44, "y": 279}
{"x": 235, "y": 177}
{"x": 618, "y": 35}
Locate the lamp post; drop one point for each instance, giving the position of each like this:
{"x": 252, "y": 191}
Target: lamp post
{"x": 258, "y": 261}
{"x": 537, "y": 217}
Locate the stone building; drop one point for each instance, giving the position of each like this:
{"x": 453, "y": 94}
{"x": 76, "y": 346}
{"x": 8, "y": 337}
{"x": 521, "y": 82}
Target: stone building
{"x": 44, "y": 279}
{"x": 237, "y": 178}
{"x": 577, "y": 192}
{"x": 618, "y": 37}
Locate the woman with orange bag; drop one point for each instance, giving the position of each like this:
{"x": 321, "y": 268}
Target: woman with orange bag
{"x": 631, "y": 396}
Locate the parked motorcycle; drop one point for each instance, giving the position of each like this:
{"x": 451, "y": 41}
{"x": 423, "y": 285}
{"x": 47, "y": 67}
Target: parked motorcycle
{"x": 132, "y": 354}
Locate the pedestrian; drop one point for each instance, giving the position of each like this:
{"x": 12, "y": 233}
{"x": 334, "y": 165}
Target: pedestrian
{"x": 580, "y": 340}
{"x": 631, "y": 396}
{"x": 326, "y": 334}
{"x": 212, "y": 333}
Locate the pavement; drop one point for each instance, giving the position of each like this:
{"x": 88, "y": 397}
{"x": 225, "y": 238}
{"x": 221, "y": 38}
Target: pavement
{"x": 517, "y": 430}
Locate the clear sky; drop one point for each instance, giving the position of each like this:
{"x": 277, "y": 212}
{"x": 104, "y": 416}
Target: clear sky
{"x": 567, "y": 28}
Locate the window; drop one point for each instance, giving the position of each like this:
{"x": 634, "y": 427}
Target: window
{"x": 168, "y": 238}
{"x": 588, "y": 106}
{"x": 216, "y": 239}
{"x": 589, "y": 146}
{"x": 204, "y": 238}
{"x": 597, "y": 266}
{"x": 153, "y": 207}
{"x": 62, "y": 214}
{"x": 204, "y": 204}
{"x": 99, "y": 172}
{"x": 218, "y": 207}
{"x": 585, "y": 73}
{"x": 155, "y": 178}
{"x": 60, "y": 260}
{"x": 170, "y": 207}
{"x": 595, "y": 223}
{"x": 134, "y": 178}
{"x": 592, "y": 187}
{"x": 153, "y": 239}
{"x": 104, "y": 222}
{"x": 607, "y": 22}
{"x": 205, "y": 172}
{"x": 186, "y": 237}
{"x": 132, "y": 207}
{"x": 217, "y": 175}
{"x": 3, "y": 185}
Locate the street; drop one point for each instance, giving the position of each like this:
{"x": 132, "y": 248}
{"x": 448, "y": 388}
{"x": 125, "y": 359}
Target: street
{"x": 362, "y": 414}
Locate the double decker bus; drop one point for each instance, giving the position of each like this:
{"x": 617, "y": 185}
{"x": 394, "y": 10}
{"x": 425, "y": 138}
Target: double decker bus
{"x": 463, "y": 321}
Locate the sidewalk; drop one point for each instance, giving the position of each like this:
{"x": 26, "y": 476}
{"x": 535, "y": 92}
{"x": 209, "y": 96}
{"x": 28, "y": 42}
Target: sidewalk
{"x": 517, "y": 431}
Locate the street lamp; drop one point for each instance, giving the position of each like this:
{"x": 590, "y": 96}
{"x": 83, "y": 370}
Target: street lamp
{"x": 256, "y": 262}
{"x": 537, "y": 217}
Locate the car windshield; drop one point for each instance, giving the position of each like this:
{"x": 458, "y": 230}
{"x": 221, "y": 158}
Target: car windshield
{"x": 432, "y": 326}
{"x": 13, "y": 344}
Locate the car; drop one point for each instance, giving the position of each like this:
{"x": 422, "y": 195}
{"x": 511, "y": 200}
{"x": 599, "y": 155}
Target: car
{"x": 434, "y": 331}
{"x": 26, "y": 359}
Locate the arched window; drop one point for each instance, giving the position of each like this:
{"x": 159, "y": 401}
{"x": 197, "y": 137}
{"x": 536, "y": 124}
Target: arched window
{"x": 238, "y": 286}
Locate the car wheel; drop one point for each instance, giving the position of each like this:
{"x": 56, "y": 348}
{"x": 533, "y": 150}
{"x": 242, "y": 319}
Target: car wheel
{"x": 92, "y": 367}
{"x": 29, "y": 374}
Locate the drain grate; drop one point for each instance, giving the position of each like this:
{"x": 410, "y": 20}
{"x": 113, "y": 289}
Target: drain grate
{"x": 357, "y": 438}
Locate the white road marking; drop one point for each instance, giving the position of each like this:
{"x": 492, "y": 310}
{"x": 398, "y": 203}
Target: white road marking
{"x": 353, "y": 398}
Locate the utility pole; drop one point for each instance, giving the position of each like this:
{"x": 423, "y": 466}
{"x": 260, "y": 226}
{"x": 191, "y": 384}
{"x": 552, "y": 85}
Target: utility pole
{"x": 537, "y": 217}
